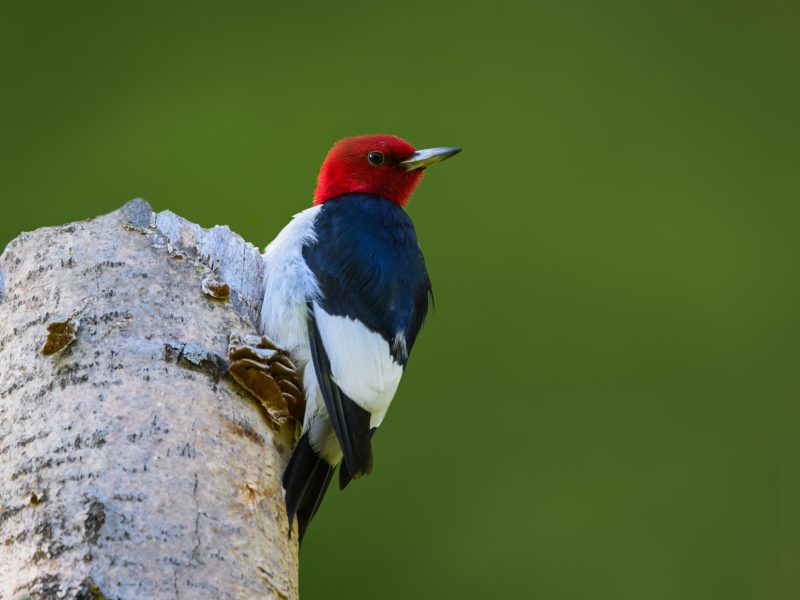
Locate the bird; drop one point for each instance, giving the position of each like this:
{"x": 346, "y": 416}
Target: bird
{"x": 346, "y": 292}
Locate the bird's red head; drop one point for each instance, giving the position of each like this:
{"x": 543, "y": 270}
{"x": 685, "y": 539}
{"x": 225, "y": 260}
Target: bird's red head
{"x": 379, "y": 165}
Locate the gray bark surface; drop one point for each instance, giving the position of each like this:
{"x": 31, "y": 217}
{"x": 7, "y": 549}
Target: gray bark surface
{"x": 131, "y": 465}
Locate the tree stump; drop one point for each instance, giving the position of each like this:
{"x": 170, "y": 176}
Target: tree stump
{"x": 132, "y": 464}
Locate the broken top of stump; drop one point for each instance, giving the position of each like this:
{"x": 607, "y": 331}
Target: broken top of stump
{"x": 235, "y": 262}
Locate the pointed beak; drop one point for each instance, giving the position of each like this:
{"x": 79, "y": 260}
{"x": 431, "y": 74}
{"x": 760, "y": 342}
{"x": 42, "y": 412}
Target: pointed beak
{"x": 424, "y": 158}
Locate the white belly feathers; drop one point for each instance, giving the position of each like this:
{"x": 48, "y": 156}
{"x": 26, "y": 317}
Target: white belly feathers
{"x": 288, "y": 287}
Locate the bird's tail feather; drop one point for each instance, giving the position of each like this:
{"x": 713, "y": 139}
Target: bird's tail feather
{"x": 345, "y": 476}
{"x": 305, "y": 482}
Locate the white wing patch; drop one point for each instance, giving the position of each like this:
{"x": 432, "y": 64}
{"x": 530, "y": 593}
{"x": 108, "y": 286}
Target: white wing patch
{"x": 361, "y": 363}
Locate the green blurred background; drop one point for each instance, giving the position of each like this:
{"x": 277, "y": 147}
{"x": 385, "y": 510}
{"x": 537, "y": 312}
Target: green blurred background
{"x": 601, "y": 405}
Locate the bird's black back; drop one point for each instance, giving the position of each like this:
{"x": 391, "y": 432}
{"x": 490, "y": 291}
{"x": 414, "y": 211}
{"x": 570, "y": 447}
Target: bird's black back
{"x": 369, "y": 266}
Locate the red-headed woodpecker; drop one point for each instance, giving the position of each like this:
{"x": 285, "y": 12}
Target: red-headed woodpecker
{"x": 346, "y": 293}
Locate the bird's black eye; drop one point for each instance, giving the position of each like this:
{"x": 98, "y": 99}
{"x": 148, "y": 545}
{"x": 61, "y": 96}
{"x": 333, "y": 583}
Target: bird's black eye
{"x": 376, "y": 158}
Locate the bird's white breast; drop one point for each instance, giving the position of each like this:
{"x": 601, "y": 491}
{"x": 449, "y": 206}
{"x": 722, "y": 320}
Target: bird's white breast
{"x": 288, "y": 287}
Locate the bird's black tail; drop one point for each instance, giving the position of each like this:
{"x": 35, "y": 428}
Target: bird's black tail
{"x": 345, "y": 476}
{"x": 305, "y": 481}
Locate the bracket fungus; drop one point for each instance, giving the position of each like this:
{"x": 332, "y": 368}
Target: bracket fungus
{"x": 269, "y": 375}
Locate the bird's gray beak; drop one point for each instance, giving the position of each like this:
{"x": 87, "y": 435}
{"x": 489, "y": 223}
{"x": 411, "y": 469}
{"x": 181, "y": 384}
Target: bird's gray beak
{"x": 423, "y": 158}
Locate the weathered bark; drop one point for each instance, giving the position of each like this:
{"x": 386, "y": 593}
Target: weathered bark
{"x": 131, "y": 464}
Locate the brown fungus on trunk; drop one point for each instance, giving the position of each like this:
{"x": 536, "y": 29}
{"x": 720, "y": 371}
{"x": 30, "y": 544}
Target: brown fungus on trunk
{"x": 214, "y": 288}
{"x": 59, "y": 336}
{"x": 269, "y": 375}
